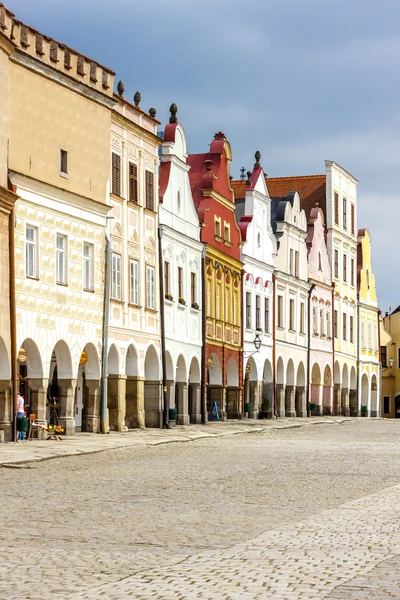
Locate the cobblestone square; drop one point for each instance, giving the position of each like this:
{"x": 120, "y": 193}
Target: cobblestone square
{"x": 306, "y": 512}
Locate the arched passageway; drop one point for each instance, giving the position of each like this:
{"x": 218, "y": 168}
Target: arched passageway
{"x": 152, "y": 388}
{"x": 301, "y": 392}
{"x": 345, "y": 391}
{"x": 61, "y": 389}
{"x": 374, "y": 397}
{"x": 6, "y": 400}
{"x": 215, "y": 389}
{"x": 233, "y": 408}
{"x": 194, "y": 391}
{"x": 181, "y": 392}
{"x": 116, "y": 391}
{"x": 31, "y": 382}
{"x": 353, "y": 393}
{"x": 251, "y": 391}
{"x": 327, "y": 391}
{"x": 134, "y": 399}
{"x": 337, "y": 390}
{"x": 364, "y": 395}
{"x": 87, "y": 396}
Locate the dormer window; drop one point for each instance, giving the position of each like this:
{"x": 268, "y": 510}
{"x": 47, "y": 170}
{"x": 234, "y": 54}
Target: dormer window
{"x": 227, "y": 232}
{"x": 217, "y": 227}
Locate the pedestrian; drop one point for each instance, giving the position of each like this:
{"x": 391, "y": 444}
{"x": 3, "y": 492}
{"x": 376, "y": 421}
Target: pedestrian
{"x": 20, "y": 413}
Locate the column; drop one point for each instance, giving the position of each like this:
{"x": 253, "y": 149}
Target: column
{"x": 38, "y": 389}
{"x": 6, "y": 410}
{"x": 327, "y": 400}
{"x": 195, "y": 411}
{"x": 116, "y": 402}
{"x": 91, "y": 408}
{"x": 67, "y": 405}
{"x": 134, "y": 402}
{"x": 290, "y": 397}
{"x": 337, "y": 399}
{"x": 302, "y": 401}
{"x": 345, "y": 402}
{"x": 182, "y": 402}
{"x": 171, "y": 396}
{"x": 280, "y": 399}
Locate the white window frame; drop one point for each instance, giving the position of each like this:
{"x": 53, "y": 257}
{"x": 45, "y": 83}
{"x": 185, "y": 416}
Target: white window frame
{"x": 61, "y": 259}
{"x": 150, "y": 287}
{"x": 134, "y": 282}
{"x": 88, "y": 267}
{"x": 116, "y": 276}
{"x": 31, "y": 251}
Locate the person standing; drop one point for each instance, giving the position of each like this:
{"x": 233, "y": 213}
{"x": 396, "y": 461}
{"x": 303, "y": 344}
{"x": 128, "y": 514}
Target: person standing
{"x": 20, "y": 413}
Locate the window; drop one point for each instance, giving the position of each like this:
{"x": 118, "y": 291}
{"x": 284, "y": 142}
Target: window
{"x": 180, "y": 283}
{"x": 296, "y": 264}
{"x": 291, "y": 314}
{"x": 227, "y": 232}
{"x": 336, "y": 209}
{"x": 116, "y": 174}
{"x": 218, "y": 305}
{"x": 150, "y": 287}
{"x": 319, "y": 261}
{"x": 353, "y": 220}
{"x": 280, "y": 311}
{"x": 116, "y": 277}
{"x": 31, "y": 234}
{"x": 217, "y": 227}
{"x": 386, "y": 404}
{"x": 88, "y": 255}
{"x": 375, "y": 332}
{"x": 235, "y": 307}
{"x": 209, "y": 298}
{"x": 248, "y": 310}
{"x": 167, "y": 286}
{"x": 384, "y": 357}
{"x": 351, "y": 329}
{"x": 363, "y": 335}
{"x": 178, "y": 203}
{"x": 258, "y": 312}
{"x": 336, "y": 264}
{"x": 193, "y": 288}
{"x": 398, "y": 358}
{"x": 352, "y": 272}
{"x": 266, "y": 315}
{"x": 344, "y": 213}
{"x": 335, "y": 324}
{"x": 228, "y": 315}
{"x": 328, "y": 325}
{"x": 321, "y": 323}
{"x": 149, "y": 190}
{"x": 63, "y": 162}
{"x": 369, "y": 337}
{"x": 133, "y": 183}
{"x": 61, "y": 259}
{"x": 291, "y": 264}
{"x": 302, "y": 317}
{"x": 367, "y": 277}
{"x": 315, "y": 323}
{"x": 345, "y": 268}
{"x": 134, "y": 281}
{"x": 344, "y": 326}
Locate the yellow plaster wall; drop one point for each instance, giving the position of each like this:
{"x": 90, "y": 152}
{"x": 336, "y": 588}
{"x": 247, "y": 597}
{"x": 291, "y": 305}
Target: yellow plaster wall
{"x": 46, "y": 116}
{"x": 390, "y": 337}
{"x": 367, "y": 294}
{"x": 4, "y": 115}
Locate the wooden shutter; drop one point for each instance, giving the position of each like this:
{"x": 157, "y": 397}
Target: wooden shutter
{"x": 116, "y": 174}
{"x": 336, "y": 209}
{"x": 150, "y": 190}
{"x": 352, "y": 220}
{"x": 133, "y": 183}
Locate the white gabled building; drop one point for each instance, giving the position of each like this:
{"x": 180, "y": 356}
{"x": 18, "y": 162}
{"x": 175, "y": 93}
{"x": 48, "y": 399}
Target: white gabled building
{"x": 182, "y": 280}
{"x": 253, "y": 213}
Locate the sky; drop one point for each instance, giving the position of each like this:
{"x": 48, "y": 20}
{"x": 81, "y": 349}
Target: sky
{"x": 299, "y": 80}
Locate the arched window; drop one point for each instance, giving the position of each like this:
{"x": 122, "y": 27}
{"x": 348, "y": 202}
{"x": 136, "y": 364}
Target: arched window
{"x": 178, "y": 203}
{"x": 319, "y": 262}
{"x": 259, "y": 239}
{"x": 367, "y": 276}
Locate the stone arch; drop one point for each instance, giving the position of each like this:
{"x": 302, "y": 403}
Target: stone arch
{"x": 87, "y": 396}
{"x": 251, "y": 369}
{"x": 301, "y": 376}
{"x": 280, "y": 371}
{"x": 300, "y": 394}
{"x": 214, "y": 371}
{"x": 116, "y": 389}
{"x": 152, "y": 364}
{"x": 64, "y": 360}
{"x": 374, "y": 397}
{"x": 267, "y": 392}
{"x": 215, "y": 390}
{"x": 345, "y": 377}
{"x": 134, "y": 396}
{"x": 5, "y": 366}
{"x": 327, "y": 398}
{"x": 152, "y": 388}
{"x": 251, "y": 388}
{"x": 61, "y": 389}
{"x": 316, "y": 375}
{"x": 233, "y": 408}
{"x": 290, "y": 390}
{"x": 33, "y": 363}
{"x": 181, "y": 371}
{"x": 327, "y": 376}
{"x": 92, "y": 366}
{"x": 232, "y": 374}
{"x": 181, "y": 391}
{"x": 169, "y": 366}
{"x": 132, "y": 361}
{"x": 194, "y": 371}
{"x": 336, "y": 373}
{"x": 290, "y": 380}
{"x": 6, "y": 398}
{"x": 113, "y": 362}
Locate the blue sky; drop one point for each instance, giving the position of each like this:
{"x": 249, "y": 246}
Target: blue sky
{"x": 300, "y": 80}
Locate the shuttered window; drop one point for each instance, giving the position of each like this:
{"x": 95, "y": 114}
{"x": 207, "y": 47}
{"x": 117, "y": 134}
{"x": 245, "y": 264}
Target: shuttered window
{"x": 133, "y": 183}
{"x": 149, "y": 190}
{"x": 116, "y": 174}
{"x": 336, "y": 209}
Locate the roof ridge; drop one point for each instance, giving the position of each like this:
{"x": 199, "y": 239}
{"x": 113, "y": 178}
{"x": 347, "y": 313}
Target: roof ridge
{"x": 296, "y": 176}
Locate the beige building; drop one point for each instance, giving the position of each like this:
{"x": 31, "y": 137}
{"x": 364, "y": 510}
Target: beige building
{"x": 60, "y": 105}
{"x": 134, "y": 364}
{"x": 390, "y": 359}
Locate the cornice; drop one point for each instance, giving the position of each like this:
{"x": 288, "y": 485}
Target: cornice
{"x": 7, "y": 199}
{"x": 135, "y": 128}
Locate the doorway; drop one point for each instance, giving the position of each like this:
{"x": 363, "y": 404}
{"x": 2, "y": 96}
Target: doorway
{"x": 397, "y": 407}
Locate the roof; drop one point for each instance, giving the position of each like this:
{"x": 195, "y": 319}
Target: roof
{"x": 239, "y": 187}
{"x": 311, "y": 189}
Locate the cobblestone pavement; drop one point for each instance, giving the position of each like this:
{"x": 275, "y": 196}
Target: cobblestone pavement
{"x": 298, "y": 513}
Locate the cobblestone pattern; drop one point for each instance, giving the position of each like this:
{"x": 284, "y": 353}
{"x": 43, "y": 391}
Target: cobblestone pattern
{"x": 217, "y": 519}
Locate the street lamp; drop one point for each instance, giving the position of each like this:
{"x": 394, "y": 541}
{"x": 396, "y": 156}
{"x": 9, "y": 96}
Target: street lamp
{"x": 257, "y": 346}
{"x": 391, "y": 361}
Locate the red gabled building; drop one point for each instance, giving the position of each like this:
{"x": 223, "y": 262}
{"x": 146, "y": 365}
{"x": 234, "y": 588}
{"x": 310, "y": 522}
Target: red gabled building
{"x": 214, "y": 200}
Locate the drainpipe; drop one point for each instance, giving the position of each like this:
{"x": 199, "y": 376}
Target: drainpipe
{"x": 166, "y": 423}
{"x": 203, "y": 333}
{"x": 358, "y": 387}
{"x": 274, "y": 340}
{"x": 106, "y": 315}
{"x": 13, "y": 321}
{"x": 312, "y": 287}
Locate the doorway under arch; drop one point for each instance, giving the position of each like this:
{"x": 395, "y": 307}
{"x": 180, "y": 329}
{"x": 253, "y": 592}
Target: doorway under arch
{"x": 87, "y": 396}
{"x": 195, "y": 392}
{"x": 134, "y": 398}
{"x": 364, "y": 395}
{"x": 300, "y": 394}
{"x": 152, "y": 388}
{"x": 233, "y": 408}
{"x": 61, "y": 389}
{"x": 327, "y": 391}
{"x": 215, "y": 390}
{"x": 116, "y": 391}
{"x": 181, "y": 392}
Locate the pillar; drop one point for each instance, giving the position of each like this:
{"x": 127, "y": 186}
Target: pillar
{"x": 182, "y": 403}
{"x": 67, "y": 405}
{"x": 116, "y": 402}
{"x": 280, "y": 399}
{"x": 195, "y": 403}
{"x": 290, "y": 398}
{"x": 353, "y": 403}
{"x": 302, "y": 401}
{"x": 345, "y": 402}
{"x": 153, "y": 403}
{"x": 134, "y": 399}
{"x": 91, "y": 408}
{"x": 6, "y": 409}
{"x": 327, "y": 400}
{"x": 255, "y": 395}
{"x": 171, "y": 394}
{"x": 38, "y": 400}
{"x": 337, "y": 399}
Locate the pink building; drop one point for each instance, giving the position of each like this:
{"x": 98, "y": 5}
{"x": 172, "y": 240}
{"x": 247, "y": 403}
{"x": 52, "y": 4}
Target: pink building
{"x": 321, "y": 351}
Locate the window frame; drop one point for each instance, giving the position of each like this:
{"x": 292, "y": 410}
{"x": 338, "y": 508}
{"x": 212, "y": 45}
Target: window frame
{"x": 150, "y": 287}
{"x": 62, "y": 252}
{"x": 34, "y": 245}
{"x": 116, "y": 280}
{"x": 279, "y": 312}
{"x": 134, "y": 282}
{"x": 150, "y": 202}
{"x": 133, "y": 191}
{"x": 336, "y": 263}
{"x": 63, "y": 171}
{"x": 193, "y": 287}
{"x": 266, "y": 315}
{"x": 116, "y": 174}
{"x": 248, "y": 310}
{"x": 88, "y": 260}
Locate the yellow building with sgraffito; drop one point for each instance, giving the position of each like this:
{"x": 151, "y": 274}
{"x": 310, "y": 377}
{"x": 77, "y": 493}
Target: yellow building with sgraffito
{"x": 368, "y": 329}
{"x": 390, "y": 359}
{"x": 58, "y": 165}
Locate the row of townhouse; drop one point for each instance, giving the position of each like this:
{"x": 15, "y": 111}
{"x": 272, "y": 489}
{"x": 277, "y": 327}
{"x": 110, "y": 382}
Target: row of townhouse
{"x": 141, "y": 284}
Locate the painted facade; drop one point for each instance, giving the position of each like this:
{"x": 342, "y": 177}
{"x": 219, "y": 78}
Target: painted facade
{"x": 214, "y": 200}
{"x": 390, "y": 364}
{"x": 134, "y": 394}
{"x": 291, "y": 316}
{"x": 253, "y": 212}
{"x": 320, "y": 363}
{"x": 369, "y": 369}
{"x": 182, "y": 277}
{"x": 58, "y": 166}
